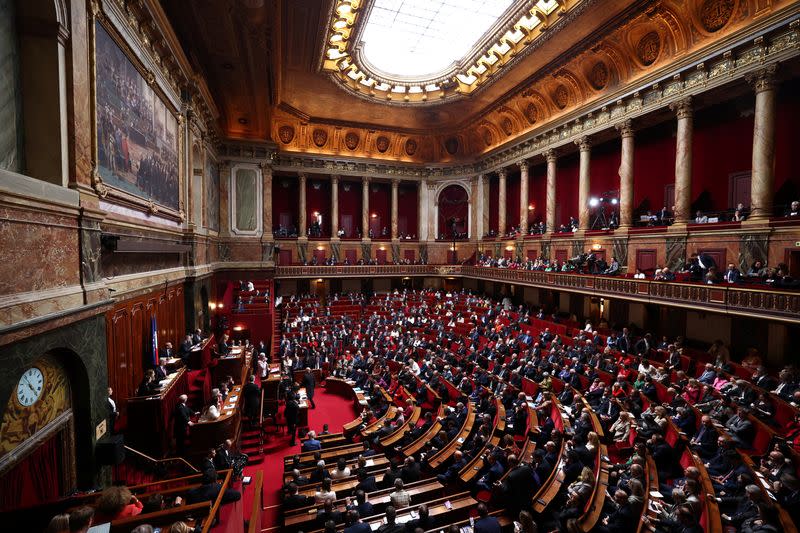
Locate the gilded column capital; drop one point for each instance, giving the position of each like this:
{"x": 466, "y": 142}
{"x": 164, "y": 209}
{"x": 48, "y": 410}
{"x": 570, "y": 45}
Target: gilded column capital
{"x": 365, "y": 180}
{"x": 584, "y": 143}
{"x": 335, "y": 179}
{"x": 683, "y": 108}
{"x": 502, "y": 173}
{"x": 524, "y": 165}
{"x": 395, "y": 183}
{"x": 625, "y": 128}
{"x": 551, "y": 155}
{"x": 764, "y": 79}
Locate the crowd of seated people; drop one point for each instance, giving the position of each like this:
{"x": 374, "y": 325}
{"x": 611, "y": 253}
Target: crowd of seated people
{"x": 699, "y": 268}
{"x": 474, "y": 354}
{"x": 331, "y": 261}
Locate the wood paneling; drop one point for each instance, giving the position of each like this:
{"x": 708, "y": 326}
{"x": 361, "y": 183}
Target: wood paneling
{"x": 128, "y": 334}
{"x": 646, "y": 260}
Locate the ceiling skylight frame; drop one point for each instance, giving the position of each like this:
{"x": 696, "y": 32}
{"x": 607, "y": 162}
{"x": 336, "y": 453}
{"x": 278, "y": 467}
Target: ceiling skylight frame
{"x": 343, "y": 56}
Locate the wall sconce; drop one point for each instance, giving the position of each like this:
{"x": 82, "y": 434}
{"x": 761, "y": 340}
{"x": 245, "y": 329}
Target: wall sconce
{"x": 238, "y": 328}
{"x": 320, "y": 248}
{"x": 509, "y": 248}
{"x": 212, "y": 305}
{"x": 596, "y": 246}
{"x": 374, "y": 215}
{"x": 220, "y": 306}
{"x": 531, "y": 207}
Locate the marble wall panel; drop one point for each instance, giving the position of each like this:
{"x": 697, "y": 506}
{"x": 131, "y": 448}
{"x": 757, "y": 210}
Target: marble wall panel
{"x": 40, "y": 251}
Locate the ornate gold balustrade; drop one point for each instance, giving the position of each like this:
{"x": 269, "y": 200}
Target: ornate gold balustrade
{"x": 728, "y": 299}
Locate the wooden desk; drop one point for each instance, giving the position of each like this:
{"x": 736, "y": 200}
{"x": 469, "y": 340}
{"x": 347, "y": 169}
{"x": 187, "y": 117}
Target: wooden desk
{"x": 230, "y": 365}
{"x": 307, "y": 458}
{"x": 211, "y": 434}
{"x": 200, "y": 356}
{"x": 150, "y": 417}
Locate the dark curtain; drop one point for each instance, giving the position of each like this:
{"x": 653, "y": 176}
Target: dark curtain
{"x": 453, "y": 204}
{"x": 34, "y": 480}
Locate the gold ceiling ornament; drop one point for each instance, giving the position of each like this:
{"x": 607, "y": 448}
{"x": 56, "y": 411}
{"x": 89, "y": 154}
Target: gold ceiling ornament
{"x": 507, "y": 41}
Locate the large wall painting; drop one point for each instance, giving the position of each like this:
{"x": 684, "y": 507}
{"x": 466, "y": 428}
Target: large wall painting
{"x": 137, "y": 134}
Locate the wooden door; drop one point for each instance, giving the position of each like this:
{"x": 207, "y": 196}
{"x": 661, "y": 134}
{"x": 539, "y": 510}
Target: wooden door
{"x": 346, "y": 223}
{"x": 409, "y": 255}
{"x": 532, "y": 255}
{"x": 319, "y": 255}
{"x": 739, "y": 189}
{"x": 351, "y": 256}
{"x": 285, "y": 257}
{"x": 285, "y": 220}
{"x": 646, "y": 260}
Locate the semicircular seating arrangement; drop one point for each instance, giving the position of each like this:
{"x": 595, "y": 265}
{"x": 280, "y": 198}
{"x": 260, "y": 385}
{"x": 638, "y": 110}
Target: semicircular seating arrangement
{"x": 475, "y": 414}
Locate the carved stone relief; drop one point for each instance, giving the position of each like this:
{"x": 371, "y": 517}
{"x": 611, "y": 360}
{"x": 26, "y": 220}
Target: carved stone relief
{"x": 302, "y": 251}
{"x": 531, "y": 113}
{"x": 268, "y": 251}
{"x": 423, "y": 253}
{"x": 715, "y": 14}
{"x": 286, "y": 134}
{"x": 366, "y": 251}
{"x": 351, "y": 140}
{"x": 545, "y": 250}
{"x": 578, "y": 247}
{"x": 561, "y": 96}
{"x": 382, "y": 143}
{"x": 676, "y": 252}
{"x": 320, "y": 137}
{"x": 336, "y": 250}
{"x": 619, "y": 249}
{"x": 752, "y": 248}
{"x": 648, "y": 48}
{"x": 508, "y": 127}
{"x": 598, "y": 77}
{"x": 396, "y": 253}
{"x": 411, "y": 147}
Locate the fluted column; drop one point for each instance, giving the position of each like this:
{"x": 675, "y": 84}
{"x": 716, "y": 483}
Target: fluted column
{"x": 502, "y": 228}
{"x": 334, "y": 207}
{"x": 302, "y": 225}
{"x": 585, "y": 147}
{"x": 365, "y": 207}
{"x": 523, "y": 196}
{"x": 763, "y": 176}
{"x": 395, "y": 191}
{"x": 683, "y": 160}
{"x": 266, "y": 194}
{"x": 485, "y": 197}
{"x": 625, "y": 129}
{"x": 551, "y": 157}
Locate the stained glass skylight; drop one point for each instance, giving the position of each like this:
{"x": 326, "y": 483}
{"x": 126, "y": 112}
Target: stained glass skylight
{"x": 413, "y": 38}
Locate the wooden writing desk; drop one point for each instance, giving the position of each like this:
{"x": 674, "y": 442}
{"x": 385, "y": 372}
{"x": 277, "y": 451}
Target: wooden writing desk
{"x": 150, "y": 417}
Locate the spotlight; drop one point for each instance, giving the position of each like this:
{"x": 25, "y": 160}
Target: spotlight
{"x": 594, "y": 202}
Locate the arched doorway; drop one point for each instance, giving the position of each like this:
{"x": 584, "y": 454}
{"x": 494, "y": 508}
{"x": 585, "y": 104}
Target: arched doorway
{"x": 37, "y": 436}
{"x": 453, "y": 213}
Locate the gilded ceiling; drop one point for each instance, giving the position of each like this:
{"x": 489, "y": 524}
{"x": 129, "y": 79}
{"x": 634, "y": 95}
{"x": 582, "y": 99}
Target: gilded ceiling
{"x": 266, "y": 69}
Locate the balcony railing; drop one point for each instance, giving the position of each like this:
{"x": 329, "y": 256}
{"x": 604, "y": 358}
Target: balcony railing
{"x": 730, "y": 299}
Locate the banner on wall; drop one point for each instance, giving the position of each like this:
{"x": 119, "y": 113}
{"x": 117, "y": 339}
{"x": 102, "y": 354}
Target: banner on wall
{"x": 154, "y": 340}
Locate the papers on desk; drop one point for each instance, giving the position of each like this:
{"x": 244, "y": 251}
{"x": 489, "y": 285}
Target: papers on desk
{"x": 357, "y": 389}
{"x": 656, "y": 494}
{"x": 465, "y": 529}
{"x": 164, "y": 382}
{"x": 232, "y": 398}
{"x": 370, "y": 462}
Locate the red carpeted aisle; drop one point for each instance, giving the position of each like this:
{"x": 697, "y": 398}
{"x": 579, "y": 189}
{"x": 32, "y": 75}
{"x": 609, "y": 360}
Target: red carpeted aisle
{"x": 332, "y": 410}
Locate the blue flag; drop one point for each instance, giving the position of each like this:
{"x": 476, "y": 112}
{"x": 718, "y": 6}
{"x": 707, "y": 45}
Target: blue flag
{"x": 154, "y": 338}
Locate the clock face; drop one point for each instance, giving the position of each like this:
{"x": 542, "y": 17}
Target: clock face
{"x": 30, "y": 387}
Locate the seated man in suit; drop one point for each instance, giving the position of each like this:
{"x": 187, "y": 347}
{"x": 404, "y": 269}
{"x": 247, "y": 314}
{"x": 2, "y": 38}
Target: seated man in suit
{"x": 361, "y": 504}
{"x": 613, "y": 268}
{"x": 186, "y": 348}
{"x": 311, "y": 444}
{"x": 209, "y": 490}
{"x": 486, "y": 523}
{"x": 356, "y": 525}
{"x": 295, "y": 500}
{"x": 161, "y": 370}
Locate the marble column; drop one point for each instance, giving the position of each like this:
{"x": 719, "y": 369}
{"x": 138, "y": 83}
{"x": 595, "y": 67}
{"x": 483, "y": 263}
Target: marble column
{"x": 474, "y": 208}
{"x": 485, "y": 206}
{"x": 365, "y": 207}
{"x": 523, "y": 196}
{"x": 334, "y": 207}
{"x": 502, "y": 227}
{"x": 763, "y": 176}
{"x": 395, "y": 192}
{"x": 266, "y": 204}
{"x": 625, "y": 129}
{"x": 550, "y": 219}
{"x": 683, "y": 160}
{"x": 224, "y": 198}
{"x": 585, "y": 150}
{"x": 302, "y": 231}
{"x": 422, "y": 210}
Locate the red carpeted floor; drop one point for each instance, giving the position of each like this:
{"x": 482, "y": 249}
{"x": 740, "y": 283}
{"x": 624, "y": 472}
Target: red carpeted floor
{"x": 332, "y": 410}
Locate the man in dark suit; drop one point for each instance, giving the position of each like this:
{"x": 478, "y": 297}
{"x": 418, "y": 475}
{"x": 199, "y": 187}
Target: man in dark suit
{"x": 227, "y": 457}
{"x": 518, "y": 485}
{"x": 424, "y": 522}
{"x": 705, "y": 442}
{"x": 209, "y": 490}
{"x": 357, "y": 526}
{"x": 181, "y": 420}
{"x": 197, "y": 337}
{"x": 186, "y": 348}
{"x": 492, "y": 475}
{"x": 391, "y": 526}
{"x": 166, "y": 352}
{"x": 222, "y": 348}
{"x": 366, "y": 481}
{"x": 732, "y": 274}
{"x": 161, "y": 370}
{"x": 252, "y": 399}
{"x": 486, "y": 523}
{"x": 295, "y": 500}
{"x": 309, "y": 383}
{"x": 328, "y": 512}
{"x": 361, "y": 504}
{"x": 291, "y": 413}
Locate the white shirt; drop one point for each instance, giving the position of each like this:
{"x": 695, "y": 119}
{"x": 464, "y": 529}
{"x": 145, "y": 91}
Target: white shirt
{"x": 212, "y": 413}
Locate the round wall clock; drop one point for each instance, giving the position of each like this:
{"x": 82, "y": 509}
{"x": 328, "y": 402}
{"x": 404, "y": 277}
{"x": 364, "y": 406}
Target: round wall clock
{"x": 30, "y": 387}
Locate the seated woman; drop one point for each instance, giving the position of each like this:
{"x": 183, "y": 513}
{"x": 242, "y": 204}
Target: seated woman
{"x": 341, "y": 470}
{"x": 149, "y": 385}
{"x": 115, "y": 503}
{"x": 621, "y": 429}
{"x": 211, "y": 412}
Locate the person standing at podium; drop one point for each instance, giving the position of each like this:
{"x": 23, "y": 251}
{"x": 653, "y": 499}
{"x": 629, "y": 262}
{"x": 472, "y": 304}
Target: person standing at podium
{"x": 181, "y": 421}
{"x": 222, "y": 348}
{"x": 291, "y": 412}
{"x": 309, "y": 383}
